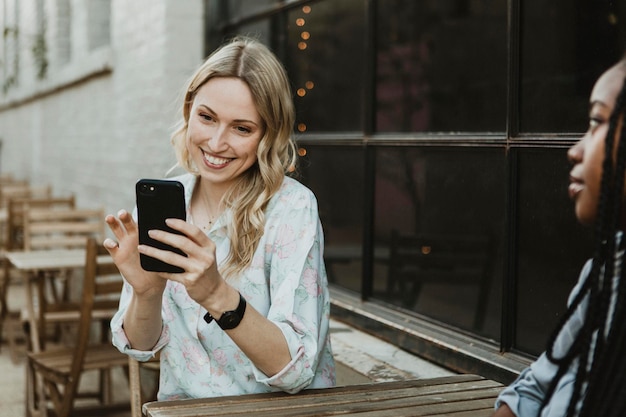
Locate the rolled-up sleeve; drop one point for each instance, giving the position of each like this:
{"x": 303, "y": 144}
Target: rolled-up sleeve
{"x": 300, "y": 304}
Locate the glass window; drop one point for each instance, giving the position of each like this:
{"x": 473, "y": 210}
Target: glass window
{"x": 566, "y": 45}
{"x": 10, "y": 45}
{"x": 243, "y": 8}
{"x": 440, "y": 214}
{"x": 64, "y": 31}
{"x": 441, "y": 65}
{"x": 99, "y": 28}
{"x": 552, "y": 246}
{"x": 260, "y": 30}
{"x": 335, "y": 175}
{"x": 325, "y": 60}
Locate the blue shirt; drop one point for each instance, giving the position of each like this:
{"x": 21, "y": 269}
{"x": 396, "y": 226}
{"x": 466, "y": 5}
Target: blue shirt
{"x": 525, "y": 395}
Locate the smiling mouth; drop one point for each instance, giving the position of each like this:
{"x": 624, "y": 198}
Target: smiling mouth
{"x": 214, "y": 160}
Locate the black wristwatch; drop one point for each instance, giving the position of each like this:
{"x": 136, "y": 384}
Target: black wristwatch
{"x": 230, "y": 319}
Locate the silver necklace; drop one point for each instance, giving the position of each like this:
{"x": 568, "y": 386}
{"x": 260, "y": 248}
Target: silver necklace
{"x": 210, "y": 217}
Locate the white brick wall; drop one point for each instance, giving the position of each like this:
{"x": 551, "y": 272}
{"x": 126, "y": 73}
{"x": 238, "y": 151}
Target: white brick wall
{"x": 98, "y": 123}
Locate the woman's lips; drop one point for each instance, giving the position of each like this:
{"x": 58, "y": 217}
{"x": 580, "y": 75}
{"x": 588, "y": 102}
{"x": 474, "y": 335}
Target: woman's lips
{"x": 575, "y": 187}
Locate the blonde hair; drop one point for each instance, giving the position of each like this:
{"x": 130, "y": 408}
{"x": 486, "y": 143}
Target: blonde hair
{"x": 253, "y": 63}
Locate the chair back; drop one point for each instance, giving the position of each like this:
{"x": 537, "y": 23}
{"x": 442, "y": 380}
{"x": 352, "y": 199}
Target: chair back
{"x": 14, "y": 233}
{"x": 46, "y": 228}
{"x": 102, "y": 287}
{"x": 23, "y": 190}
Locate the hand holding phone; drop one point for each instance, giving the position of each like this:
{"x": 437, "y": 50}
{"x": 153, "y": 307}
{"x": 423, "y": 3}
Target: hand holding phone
{"x": 158, "y": 200}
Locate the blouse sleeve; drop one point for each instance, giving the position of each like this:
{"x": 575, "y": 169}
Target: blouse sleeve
{"x": 525, "y": 395}
{"x": 300, "y": 304}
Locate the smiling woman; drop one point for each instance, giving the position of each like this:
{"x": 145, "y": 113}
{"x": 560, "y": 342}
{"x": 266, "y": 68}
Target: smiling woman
{"x": 250, "y": 311}
{"x": 222, "y": 138}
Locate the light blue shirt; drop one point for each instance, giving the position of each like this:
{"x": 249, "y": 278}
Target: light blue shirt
{"x": 286, "y": 283}
{"x": 525, "y": 395}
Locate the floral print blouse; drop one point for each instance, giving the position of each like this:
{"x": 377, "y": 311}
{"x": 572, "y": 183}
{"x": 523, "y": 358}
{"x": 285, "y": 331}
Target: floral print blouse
{"x": 286, "y": 283}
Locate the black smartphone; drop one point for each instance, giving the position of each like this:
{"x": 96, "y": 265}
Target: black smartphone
{"x": 158, "y": 200}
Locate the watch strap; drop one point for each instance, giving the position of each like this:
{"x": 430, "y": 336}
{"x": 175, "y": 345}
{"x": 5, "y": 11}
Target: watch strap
{"x": 229, "y": 319}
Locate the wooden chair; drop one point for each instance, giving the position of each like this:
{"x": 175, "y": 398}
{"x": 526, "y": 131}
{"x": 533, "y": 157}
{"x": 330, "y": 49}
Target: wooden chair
{"x": 17, "y": 207}
{"x": 57, "y": 372}
{"x": 141, "y": 392}
{"x": 418, "y": 259}
{"x": 14, "y": 240}
{"x": 55, "y": 228}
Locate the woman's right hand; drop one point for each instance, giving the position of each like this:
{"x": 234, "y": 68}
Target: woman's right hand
{"x": 126, "y": 256}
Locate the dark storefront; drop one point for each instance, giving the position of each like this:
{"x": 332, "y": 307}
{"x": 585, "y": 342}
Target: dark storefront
{"x": 434, "y": 135}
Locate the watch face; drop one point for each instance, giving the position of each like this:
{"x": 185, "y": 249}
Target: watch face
{"x": 229, "y": 320}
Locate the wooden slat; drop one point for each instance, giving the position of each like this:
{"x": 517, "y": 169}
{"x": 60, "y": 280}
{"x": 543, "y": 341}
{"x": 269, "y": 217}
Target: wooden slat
{"x": 48, "y": 228}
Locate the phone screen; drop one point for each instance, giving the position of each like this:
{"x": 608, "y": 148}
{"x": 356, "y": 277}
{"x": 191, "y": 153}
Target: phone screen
{"x": 158, "y": 200}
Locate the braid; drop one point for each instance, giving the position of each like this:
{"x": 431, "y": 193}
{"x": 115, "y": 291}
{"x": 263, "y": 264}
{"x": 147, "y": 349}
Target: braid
{"x": 592, "y": 356}
{"x": 605, "y": 395}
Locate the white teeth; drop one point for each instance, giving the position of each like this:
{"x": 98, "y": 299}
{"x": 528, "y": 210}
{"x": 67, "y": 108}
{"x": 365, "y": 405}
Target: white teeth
{"x": 216, "y": 161}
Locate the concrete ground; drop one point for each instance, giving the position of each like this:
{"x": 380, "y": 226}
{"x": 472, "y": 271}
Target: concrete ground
{"x": 360, "y": 358}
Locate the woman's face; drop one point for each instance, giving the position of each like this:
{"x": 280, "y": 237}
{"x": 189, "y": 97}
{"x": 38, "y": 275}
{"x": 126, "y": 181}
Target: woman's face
{"x": 588, "y": 154}
{"x": 224, "y": 130}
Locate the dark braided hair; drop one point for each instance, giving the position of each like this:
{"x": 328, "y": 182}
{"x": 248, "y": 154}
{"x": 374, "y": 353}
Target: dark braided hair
{"x": 598, "y": 352}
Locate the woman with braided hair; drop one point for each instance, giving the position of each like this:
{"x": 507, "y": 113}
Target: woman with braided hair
{"x": 583, "y": 370}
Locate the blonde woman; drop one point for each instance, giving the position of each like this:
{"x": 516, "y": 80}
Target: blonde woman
{"x": 250, "y": 311}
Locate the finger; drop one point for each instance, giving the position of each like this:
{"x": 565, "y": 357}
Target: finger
{"x": 115, "y": 226}
{"x": 111, "y": 246}
{"x": 127, "y": 220}
{"x": 203, "y": 251}
{"x": 166, "y": 256}
{"x": 192, "y": 232}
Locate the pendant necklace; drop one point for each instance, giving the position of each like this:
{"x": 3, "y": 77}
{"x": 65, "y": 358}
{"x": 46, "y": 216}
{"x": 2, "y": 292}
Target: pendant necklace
{"x": 210, "y": 217}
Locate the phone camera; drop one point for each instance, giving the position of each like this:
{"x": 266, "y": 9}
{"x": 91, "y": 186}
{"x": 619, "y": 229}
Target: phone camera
{"x": 147, "y": 188}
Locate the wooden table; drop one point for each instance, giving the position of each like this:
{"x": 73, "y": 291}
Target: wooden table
{"x": 458, "y": 396}
{"x": 33, "y": 264}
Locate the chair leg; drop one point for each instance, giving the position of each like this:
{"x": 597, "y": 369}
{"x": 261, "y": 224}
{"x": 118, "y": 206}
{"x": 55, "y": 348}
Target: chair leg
{"x": 135, "y": 387}
{"x": 12, "y": 324}
{"x": 36, "y": 404}
{"x": 29, "y": 395}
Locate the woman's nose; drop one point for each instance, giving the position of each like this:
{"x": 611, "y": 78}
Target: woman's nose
{"x": 217, "y": 141}
{"x": 575, "y": 152}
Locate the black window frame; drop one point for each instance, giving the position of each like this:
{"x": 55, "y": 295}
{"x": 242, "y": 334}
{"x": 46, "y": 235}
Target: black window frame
{"x": 498, "y": 360}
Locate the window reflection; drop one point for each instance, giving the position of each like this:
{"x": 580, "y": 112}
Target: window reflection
{"x": 336, "y": 177}
{"x": 552, "y": 246}
{"x": 570, "y": 44}
{"x": 441, "y": 66}
{"x": 440, "y": 215}
{"x": 325, "y": 60}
